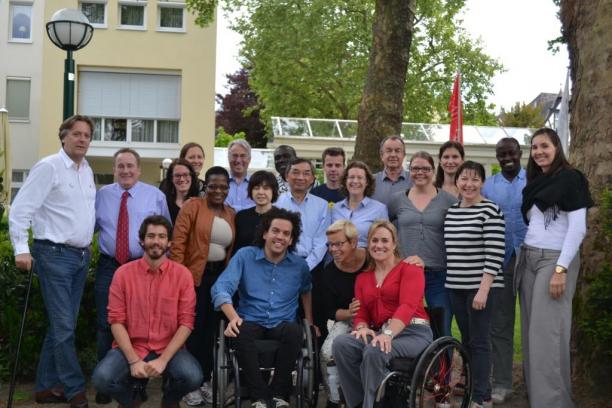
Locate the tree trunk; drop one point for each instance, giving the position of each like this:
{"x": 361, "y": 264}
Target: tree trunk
{"x": 586, "y": 28}
{"x": 381, "y": 109}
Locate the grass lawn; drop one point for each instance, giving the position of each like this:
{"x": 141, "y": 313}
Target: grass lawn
{"x": 517, "y": 333}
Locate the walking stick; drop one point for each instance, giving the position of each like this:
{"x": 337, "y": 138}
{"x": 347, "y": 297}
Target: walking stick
{"x": 23, "y": 319}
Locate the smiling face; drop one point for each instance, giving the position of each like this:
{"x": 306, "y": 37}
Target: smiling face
{"x": 392, "y": 154}
{"x": 262, "y": 194}
{"x": 282, "y": 156}
{"x": 333, "y": 166}
{"x": 340, "y": 247}
{"x": 381, "y": 245}
{"x": 278, "y": 238}
{"x": 508, "y": 155}
{"x": 155, "y": 242}
{"x": 126, "y": 170}
{"x": 469, "y": 184}
{"x": 239, "y": 160}
{"x": 300, "y": 178}
{"x": 421, "y": 172}
{"x": 195, "y": 157}
{"x": 76, "y": 141}
{"x": 450, "y": 161}
{"x": 356, "y": 182}
{"x": 543, "y": 151}
{"x": 216, "y": 189}
{"x": 181, "y": 178}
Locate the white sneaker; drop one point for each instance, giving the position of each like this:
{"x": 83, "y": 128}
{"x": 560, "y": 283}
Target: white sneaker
{"x": 280, "y": 403}
{"x": 500, "y": 395}
{"x": 207, "y": 392}
{"x": 259, "y": 404}
{"x": 193, "y": 399}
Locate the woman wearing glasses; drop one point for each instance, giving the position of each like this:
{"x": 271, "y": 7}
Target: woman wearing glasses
{"x": 419, "y": 215}
{"x": 180, "y": 184}
{"x": 203, "y": 236}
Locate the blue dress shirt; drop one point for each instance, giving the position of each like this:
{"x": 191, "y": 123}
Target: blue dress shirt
{"x": 144, "y": 200}
{"x": 237, "y": 197}
{"x": 367, "y": 211}
{"x": 508, "y": 195}
{"x": 268, "y": 292}
{"x": 385, "y": 188}
{"x": 314, "y": 213}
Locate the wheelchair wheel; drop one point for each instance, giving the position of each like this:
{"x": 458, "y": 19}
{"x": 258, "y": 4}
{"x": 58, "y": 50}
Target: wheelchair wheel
{"x": 442, "y": 377}
{"x": 307, "y": 391}
{"x": 220, "y": 371}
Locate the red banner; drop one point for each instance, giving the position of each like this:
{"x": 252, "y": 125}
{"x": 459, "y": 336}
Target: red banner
{"x": 456, "y": 111}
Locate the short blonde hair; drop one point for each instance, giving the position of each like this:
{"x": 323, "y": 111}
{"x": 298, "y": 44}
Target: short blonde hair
{"x": 346, "y": 227}
{"x": 389, "y": 227}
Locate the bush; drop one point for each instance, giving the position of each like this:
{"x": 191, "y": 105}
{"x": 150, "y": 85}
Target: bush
{"x": 13, "y": 286}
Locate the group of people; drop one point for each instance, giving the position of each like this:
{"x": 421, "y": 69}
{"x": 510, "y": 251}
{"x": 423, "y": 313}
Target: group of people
{"x": 357, "y": 256}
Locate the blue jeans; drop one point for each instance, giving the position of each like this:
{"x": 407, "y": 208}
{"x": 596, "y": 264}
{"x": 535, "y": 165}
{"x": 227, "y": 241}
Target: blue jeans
{"x": 62, "y": 271}
{"x": 104, "y": 276}
{"x": 475, "y": 327}
{"x": 112, "y": 376}
{"x": 437, "y": 296}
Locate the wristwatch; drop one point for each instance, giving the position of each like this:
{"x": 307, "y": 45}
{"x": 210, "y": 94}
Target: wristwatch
{"x": 388, "y": 332}
{"x": 560, "y": 269}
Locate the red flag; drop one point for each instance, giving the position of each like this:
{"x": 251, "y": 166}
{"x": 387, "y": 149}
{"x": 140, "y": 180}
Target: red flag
{"x": 456, "y": 110}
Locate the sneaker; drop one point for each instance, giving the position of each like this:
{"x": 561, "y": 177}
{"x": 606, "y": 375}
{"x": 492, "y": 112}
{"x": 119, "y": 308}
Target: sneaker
{"x": 207, "y": 392}
{"x": 259, "y": 404}
{"x": 194, "y": 398}
{"x": 500, "y": 395}
{"x": 280, "y": 403}
{"x": 485, "y": 404}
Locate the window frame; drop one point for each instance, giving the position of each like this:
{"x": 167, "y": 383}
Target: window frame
{"x": 105, "y": 3}
{"x": 133, "y": 3}
{"x": 20, "y": 119}
{"x": 11, "y": 4}
{"x": 128, "y": 131}
{"x": 169, "y": 5}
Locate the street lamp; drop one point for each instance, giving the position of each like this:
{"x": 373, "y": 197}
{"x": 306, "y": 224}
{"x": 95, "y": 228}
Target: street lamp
{"x": 70, "y": 30}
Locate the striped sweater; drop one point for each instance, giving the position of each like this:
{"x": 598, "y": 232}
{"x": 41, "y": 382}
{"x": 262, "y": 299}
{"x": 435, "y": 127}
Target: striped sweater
{"x": 475, "y": 244}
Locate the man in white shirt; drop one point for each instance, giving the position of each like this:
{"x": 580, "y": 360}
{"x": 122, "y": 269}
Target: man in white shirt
{"x": 239, "y": 158}
{"x": 57, "y": 200}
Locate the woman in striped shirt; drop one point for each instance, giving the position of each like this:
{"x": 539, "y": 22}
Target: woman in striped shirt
{"x": 474, "y": 238}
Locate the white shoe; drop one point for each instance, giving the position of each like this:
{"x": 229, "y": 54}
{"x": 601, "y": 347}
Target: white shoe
{"x": 485, "y": 404}
{"x": 207, "y": 392}
{"x": 194, "y": 398}
{"x": 280, "y": 403}
{"x": 500, "y": 395}
{"x": 443, "y": 405}
{"x": 259, "y": 404}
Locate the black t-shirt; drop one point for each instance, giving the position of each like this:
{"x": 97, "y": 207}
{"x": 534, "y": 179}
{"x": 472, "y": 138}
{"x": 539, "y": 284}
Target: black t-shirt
{"x": 326, "y": 193}
{"x": 246, "y": 223}
{"x": 338, "y": 288}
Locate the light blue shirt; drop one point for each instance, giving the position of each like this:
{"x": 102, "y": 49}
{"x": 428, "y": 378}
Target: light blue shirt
{"x": 144, "y": 200}
{"x": 508, "y": 195}
{"x": 237, "y": 197}
{"x": 385, "y": 188}
{"x": 314, "y": 213}
{"x": 268, "y": 292}
{"x": 367, "y": 211}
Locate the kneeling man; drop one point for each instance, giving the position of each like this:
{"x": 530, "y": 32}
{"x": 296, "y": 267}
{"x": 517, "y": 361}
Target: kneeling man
{"x": 269, "y": 279}
{"x": 151, "y": 312}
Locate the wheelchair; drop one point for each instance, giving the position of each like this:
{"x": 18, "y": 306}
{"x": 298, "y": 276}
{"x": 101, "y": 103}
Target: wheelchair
{"x": 226, "y": 369}
{"x": 440, "y": 377}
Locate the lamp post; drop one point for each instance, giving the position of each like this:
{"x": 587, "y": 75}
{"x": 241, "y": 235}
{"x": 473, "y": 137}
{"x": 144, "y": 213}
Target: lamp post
{"x": 69, "y": 30}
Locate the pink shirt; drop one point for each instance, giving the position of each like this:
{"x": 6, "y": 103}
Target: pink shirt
{"x": 151, "y": 305}
{"x": 400, "y": 296}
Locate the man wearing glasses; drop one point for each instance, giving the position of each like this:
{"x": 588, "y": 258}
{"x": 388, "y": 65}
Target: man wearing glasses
{"x": 120, "y": 209}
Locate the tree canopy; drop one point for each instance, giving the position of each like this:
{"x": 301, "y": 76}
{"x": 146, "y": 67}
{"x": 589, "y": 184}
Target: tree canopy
{"x": 310, "y": 58}
{"x": 522, "y": 115}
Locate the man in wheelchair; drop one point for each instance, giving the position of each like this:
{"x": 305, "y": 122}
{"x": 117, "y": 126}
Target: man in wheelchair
{"x": 269, "y": 280}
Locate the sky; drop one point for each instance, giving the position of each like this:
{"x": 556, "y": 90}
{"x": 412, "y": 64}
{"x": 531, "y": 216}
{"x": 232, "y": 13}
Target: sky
{"x": 515, "y": 32}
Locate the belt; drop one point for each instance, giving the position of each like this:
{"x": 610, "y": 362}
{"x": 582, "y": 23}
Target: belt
{"x": 418, "y": 320}
{"x": 51, "y": 243}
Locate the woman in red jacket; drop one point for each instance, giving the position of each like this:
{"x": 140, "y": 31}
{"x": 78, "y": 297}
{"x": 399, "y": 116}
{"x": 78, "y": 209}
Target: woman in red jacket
{"x": 391, "y": 321}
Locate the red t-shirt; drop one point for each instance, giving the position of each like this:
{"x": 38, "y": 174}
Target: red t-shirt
{"x": 400, "y": 296}
{"x": 151, "y": 305}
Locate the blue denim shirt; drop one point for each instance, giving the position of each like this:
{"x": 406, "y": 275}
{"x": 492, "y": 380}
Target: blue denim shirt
{"x": 268, "y": 292}
{"x": 237, "y": 197}
{"x": 508, "y": 195}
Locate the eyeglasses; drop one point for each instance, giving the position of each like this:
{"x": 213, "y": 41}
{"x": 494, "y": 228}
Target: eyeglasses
{"x": 178, "y": 176}
{"x": 420, "y": 169}
{"x": 217, "y": 187}
{"x": 336, "y": 244}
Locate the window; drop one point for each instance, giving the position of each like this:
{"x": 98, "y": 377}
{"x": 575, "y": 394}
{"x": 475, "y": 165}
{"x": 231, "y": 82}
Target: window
{"x": 171, "y": 17}
{"x": 132, "y": 15}
{"x": 20, "y": 25}
{"x": 95, "y": 11}
{"x": 18, "y": 98}
{"x": 136, "y": 130}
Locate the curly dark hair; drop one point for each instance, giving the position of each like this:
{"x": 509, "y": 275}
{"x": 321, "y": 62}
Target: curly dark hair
{"x": 167, "y": 186}
{"x": 369, "y": 190}
{"x": 263, "y": 178}
{"x": 274, "y": 214}
{"x": 154, "y": 220}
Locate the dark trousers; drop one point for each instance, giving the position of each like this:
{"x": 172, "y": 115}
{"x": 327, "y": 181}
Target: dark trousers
{"x": 202, "y": 339}
{"x": 104, "y": 276}
{"x": 290, "y": 336}
{"x": 475, "y": 327}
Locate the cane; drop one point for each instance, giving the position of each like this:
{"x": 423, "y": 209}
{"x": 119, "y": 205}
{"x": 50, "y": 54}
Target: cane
{"x": 23, "y": 319}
